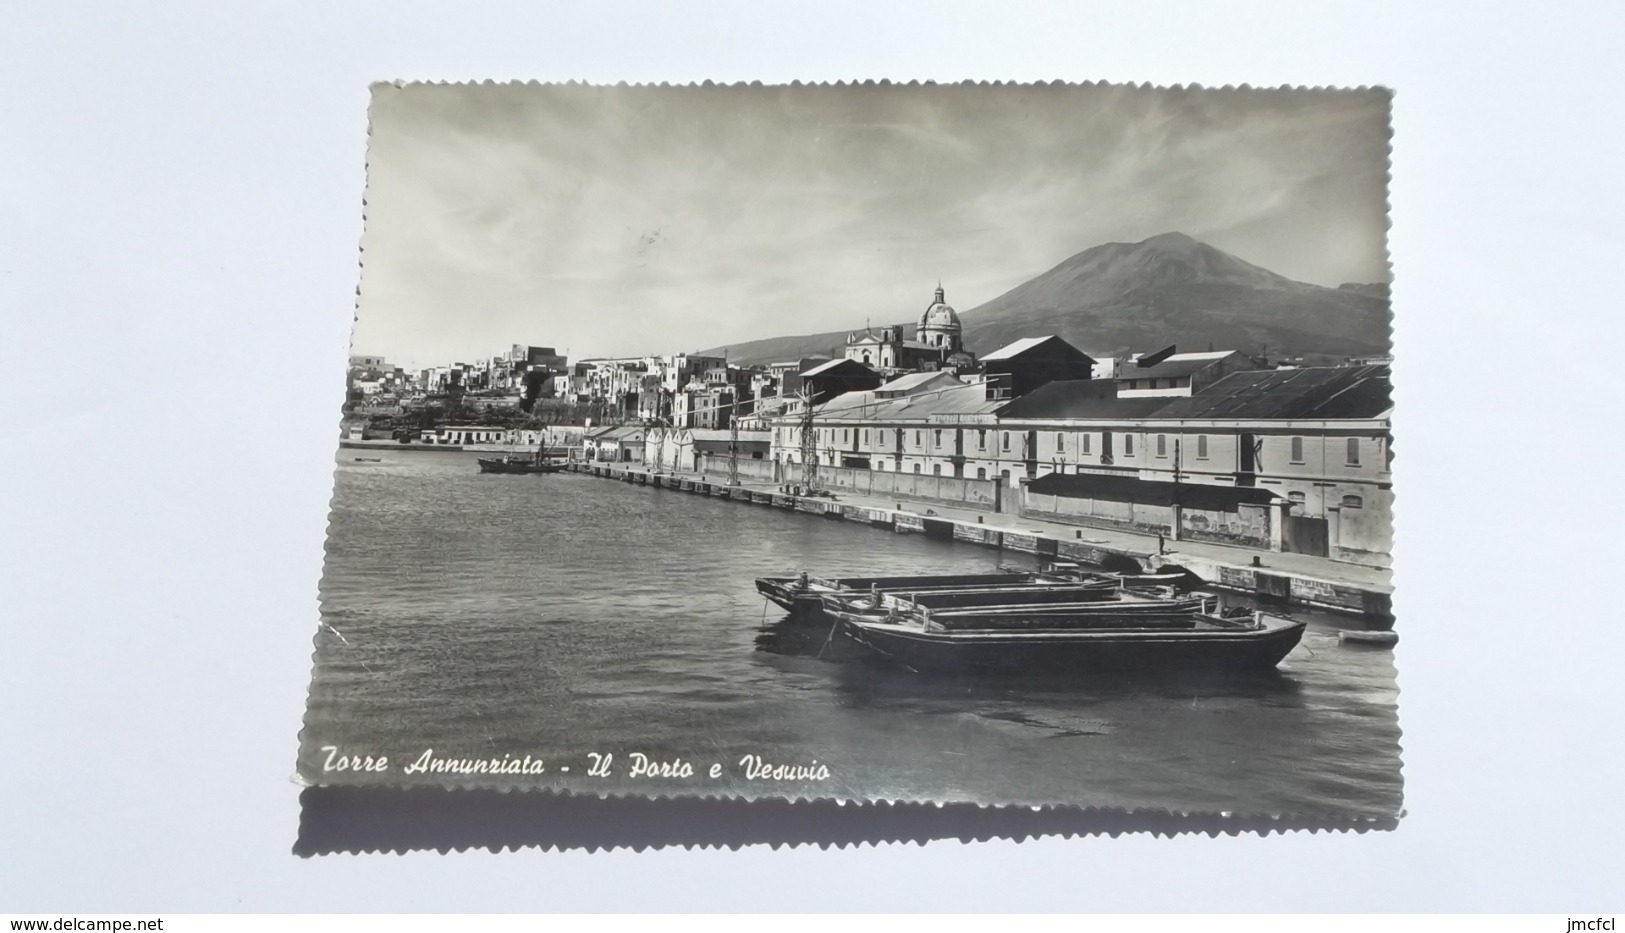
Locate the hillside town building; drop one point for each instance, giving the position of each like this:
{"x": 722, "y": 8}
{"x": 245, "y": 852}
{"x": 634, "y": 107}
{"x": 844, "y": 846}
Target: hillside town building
{"x": 1293, "y": 460}
{"x": 1175, "y": 374}
{"x": 938, "y": 343}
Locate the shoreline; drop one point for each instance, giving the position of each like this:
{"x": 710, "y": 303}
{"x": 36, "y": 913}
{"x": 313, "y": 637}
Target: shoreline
{"x": 1358, "y": 590}
{"x": 348, "y": 444}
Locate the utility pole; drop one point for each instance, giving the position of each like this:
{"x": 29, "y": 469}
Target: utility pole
{"x": 733, "y": 434}
{"x": 1178, "y": 509}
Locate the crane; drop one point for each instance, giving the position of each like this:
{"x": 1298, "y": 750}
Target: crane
{"x": 733, "y": 437}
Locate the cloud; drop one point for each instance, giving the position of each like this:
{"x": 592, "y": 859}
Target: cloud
{"x": 629, "y": 220}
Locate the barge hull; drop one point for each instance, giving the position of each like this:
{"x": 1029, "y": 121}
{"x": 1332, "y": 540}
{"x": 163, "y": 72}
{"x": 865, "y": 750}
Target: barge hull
{"x": 1126, "y": 652}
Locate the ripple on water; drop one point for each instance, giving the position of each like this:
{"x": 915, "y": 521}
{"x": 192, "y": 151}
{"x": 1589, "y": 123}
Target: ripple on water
{"x": 560, "y": 614}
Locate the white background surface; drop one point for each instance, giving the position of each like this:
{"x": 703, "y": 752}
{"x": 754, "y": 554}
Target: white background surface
{"x": 180, "y": 195}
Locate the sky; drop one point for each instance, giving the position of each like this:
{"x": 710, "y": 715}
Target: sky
{"x": 619, "y": 221}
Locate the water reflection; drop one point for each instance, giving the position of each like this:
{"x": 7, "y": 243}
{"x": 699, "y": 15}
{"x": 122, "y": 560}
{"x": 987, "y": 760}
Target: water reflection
{"x": 563, "y": 615}
{"x": 865, "y": 678}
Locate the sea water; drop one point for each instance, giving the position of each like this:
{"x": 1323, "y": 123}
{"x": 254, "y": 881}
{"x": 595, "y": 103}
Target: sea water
{"x": 562, "y": 623}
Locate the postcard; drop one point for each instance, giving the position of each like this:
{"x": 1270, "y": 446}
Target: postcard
{"x": 989, "y": 444}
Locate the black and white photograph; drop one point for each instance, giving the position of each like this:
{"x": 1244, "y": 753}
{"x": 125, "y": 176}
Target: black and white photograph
{"x": 1146, "y": 460}
{"x": 962, "y": 443}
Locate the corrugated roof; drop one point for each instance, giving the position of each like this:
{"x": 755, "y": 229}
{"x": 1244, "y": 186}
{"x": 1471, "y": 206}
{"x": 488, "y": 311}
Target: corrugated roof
{"x": 953, "y": 400}
{"x": 826, "y": 367}
{"x": 913, "y": 381}
{"x": 1194, "y": 355}
{"x": 1311, "y": 393}
{"x": 1017, "y": 348}
{"x": 1149, "y": 492}
{"x": 1182, "y": 364}
{"x": 1078, "y": 398}
{"x": 961, "y": 400}
{"x": 1288, "y": 394}
{"x": 849, "y": 404}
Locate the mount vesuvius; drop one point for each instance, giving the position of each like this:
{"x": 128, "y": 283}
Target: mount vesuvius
{"x": 1169, "y": 289}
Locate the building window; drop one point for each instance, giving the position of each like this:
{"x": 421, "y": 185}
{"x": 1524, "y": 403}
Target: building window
{"x": 1201, "y": 446}
{"x": 1162, "y": 445}
{"x": 1128, "y": 445}
{"x": 1297, "y": 450}
{"x": 981, "y": 439}
{"x": 1007, "y": 440}
{"x": 916, "y": 468}
{"x": 1296, "y": 497}
{"x": 843, "y": 434}
{"x": 936, "y": 437}
{"x": 1354, "y": 453}
{"x": 1353, "y": 502}
{"x": 1083, "y": 446}
{"x": 936, "y": 469}
{"x": 981, "y": 472}
{"x": 1004, "y": 475}
{"x": 916, "y": 438}
{"x": 1060, "y": 443}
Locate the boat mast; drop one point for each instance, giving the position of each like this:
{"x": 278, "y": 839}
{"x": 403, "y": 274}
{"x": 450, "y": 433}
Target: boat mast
{"x": 733, "y": 429}
{"x": 733, "y": 436}
{"x": 733, "y": 442}
{"x": 809, "y": 445}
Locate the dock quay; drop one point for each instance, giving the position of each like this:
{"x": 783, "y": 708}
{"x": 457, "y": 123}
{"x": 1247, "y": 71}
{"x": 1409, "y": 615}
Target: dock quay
{"x": 1281, "y": 577}
{"x": 395, "y": 446}
{"x": 381, "y": 444}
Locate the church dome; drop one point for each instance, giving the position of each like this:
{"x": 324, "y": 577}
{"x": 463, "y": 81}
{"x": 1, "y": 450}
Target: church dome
{"x": 939, "y": 316}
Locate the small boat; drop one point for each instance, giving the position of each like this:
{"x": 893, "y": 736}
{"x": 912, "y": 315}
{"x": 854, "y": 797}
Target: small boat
{"x": 804, "y": 590}
{"x": 1177, "y": 578}
{"x": 1050, "y": 615}
{"x": 536, "y": 461}
{"x": 1370, "y": 639}
{"x": 801, "y": 594}
{"x": 518, "y": 465}
{"x": 1156, "y": 643}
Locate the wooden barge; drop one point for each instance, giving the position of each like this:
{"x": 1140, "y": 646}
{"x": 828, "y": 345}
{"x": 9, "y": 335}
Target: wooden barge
{"x": 518, "y": 465}
{"x": 1195, "y": 641}
{"x": 1066, "y": 619}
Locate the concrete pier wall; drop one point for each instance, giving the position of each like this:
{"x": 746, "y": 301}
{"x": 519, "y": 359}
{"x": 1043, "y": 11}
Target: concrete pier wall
{"x": 980, "y": 494}
{"x": 1262, "y": 581}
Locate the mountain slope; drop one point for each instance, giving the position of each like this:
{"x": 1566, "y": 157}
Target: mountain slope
{"x": 1169, "y": 289}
